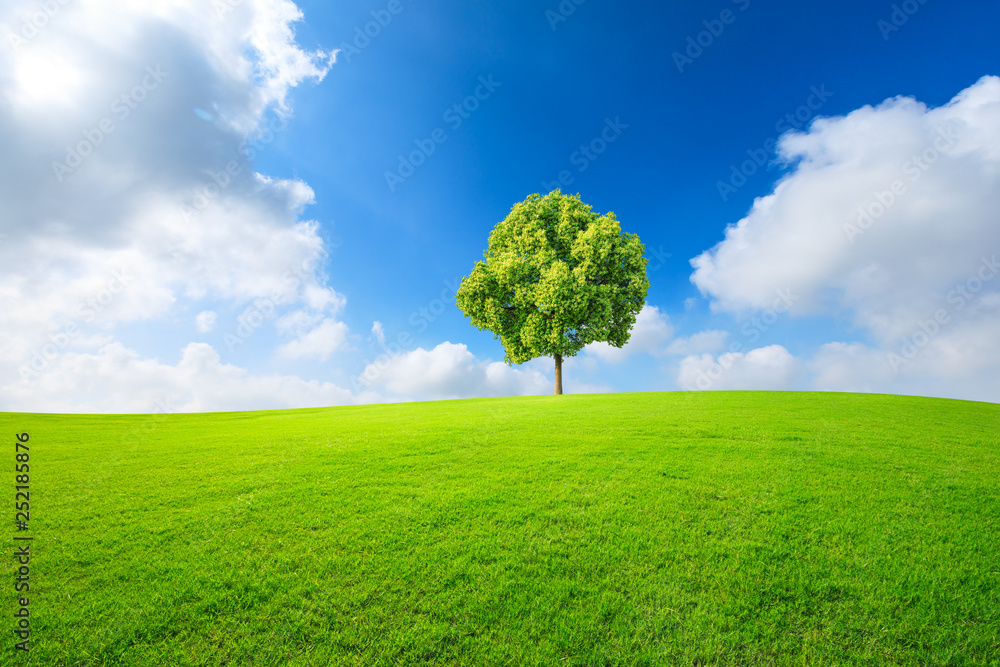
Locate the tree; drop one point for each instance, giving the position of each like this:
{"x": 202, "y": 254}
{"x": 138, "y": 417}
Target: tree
{"x": 556, "y": 277}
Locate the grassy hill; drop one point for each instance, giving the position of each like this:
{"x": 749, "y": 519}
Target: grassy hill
{"x": 628, "y": 529}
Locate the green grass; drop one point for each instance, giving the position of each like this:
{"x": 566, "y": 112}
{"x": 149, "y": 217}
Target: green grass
{"x": 628, "y": 529}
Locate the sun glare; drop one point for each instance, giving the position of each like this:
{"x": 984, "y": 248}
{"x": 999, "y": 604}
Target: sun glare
{"x": 45, "y": 78}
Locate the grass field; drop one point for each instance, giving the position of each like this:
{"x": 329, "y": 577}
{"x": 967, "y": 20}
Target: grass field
{"x": 627, "y": 529}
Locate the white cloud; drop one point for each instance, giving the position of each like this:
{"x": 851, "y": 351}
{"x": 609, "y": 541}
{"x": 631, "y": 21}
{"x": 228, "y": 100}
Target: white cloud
{"x": 451, "y": 371}
{"x": 121, "y": 203}
{"x": 319, "y": 343}
{"x": 205, "y": 321}
{"x": 886, "y": 216}
{"x": 703, "y": 341}
{"x": 116, "y": 379}
{"x": 652, "y": 329}
{"x": 931, "y": 235}
{"x": 296, "y": 322}
{"x": 379, "y": 332}
{"x": 849, "y": 367}
{"x": 765, "y": 368}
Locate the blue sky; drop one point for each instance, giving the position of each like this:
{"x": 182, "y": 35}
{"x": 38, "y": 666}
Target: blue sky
{"x": 671, "y": 100}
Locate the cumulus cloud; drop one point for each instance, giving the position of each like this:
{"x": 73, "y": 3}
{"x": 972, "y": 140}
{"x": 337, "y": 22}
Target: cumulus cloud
{"x": 378, "y": 332}
{"x": 128, "y": 184}
{"x": 703, "y": 341}
{"x": 116, "y": 379}
{"x": 813, "y": 233}
{"x": 851, "y": 367}
{"x": 652, "y": 329}
{"x": 451, "y": 371}
{"x": 205, "y": 321}
{"x": 766, "y": 368}
{"x": 889, "y": 218}
{"x": 318, "y": 343}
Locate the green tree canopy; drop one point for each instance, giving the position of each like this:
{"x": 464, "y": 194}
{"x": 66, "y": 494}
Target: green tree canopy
{"x": 555, "y": 277}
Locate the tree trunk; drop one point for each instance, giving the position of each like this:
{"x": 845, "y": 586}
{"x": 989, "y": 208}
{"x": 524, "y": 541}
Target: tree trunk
{"x": 558, "y": 374}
